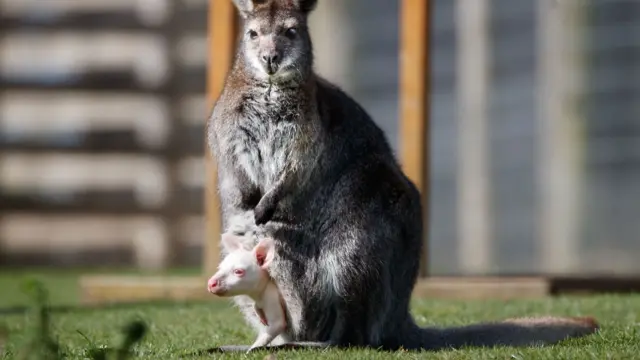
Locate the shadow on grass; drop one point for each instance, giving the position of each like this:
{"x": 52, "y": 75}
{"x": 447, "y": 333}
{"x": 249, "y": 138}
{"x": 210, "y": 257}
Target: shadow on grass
{"x": 243, "y": 348}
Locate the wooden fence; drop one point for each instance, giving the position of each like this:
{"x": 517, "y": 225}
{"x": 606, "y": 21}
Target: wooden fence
{"x": 173, "y": 137}
{"x": 114, "y": 133}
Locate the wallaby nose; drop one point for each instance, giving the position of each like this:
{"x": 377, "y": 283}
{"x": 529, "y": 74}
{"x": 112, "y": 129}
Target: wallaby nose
{"x": 270, "y": 59}
{"x": 270, "y": 62}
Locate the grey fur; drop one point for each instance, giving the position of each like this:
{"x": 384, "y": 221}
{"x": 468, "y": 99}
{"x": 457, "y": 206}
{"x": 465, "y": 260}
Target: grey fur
{"x": 322, "y": 177}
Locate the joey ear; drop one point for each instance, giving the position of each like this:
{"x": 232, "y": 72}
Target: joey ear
{"x": 264, "y": 252}
{"x": 231, "y": 242}
{"x": 246, "y": 7}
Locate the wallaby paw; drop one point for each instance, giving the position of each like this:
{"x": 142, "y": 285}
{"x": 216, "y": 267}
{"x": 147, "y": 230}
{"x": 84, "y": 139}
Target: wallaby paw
{"x": 263, "y": 213}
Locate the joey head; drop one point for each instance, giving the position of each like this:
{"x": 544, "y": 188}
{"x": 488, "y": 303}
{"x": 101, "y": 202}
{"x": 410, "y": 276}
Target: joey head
{"x": 244, "y": 271}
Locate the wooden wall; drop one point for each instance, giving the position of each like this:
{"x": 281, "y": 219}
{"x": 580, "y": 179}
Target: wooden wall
{"x": 102, "y": 109}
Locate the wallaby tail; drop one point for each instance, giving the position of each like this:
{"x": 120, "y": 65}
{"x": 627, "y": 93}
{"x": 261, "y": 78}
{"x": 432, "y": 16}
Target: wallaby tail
{"x": 510, "y": 332}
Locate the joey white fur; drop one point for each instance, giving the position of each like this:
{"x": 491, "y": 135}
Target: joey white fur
{"x": 244, "y": 272}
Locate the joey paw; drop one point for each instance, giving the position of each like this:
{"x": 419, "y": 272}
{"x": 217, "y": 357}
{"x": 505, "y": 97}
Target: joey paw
{"x": 263, "y": 318}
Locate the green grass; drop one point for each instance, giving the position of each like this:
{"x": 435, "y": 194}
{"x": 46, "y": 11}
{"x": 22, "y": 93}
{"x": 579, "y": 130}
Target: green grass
{"x": 61, "y": 283}
{"x": 180, "y": 330}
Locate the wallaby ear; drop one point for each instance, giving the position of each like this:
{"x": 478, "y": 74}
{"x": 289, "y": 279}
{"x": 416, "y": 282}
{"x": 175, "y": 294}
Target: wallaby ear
{"x": 264, "y": 252}
{"x": 231, "y": 242}
{"x": 246, "y": 7}
{"x": 305, "y": 6}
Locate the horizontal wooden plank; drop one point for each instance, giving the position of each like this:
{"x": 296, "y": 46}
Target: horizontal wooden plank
{"x": 93, "y": 142}
{"x": 482, "y": 287}
{"x": 37, "y": 147}
{"x": 191, "y": 19}
{"x": 190, "y": 141}
{"x": 110, "y": 289}
{"x": 594, "y": 283}
{"x": 78, "y": 21}
{"x": 194, "y": 19}
{"x": 88, "y": 202}
{"x": 187, "y": 143}
{"x": 117, "y": 256}
{"x": 96, "y": 81}
{"x": 192, "y": 78}
{"x": 100, "y": 82}
{"x": 116, "y": 289}
{"x": 91, "y": 202}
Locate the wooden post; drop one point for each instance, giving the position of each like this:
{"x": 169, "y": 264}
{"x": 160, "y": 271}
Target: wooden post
{"x": 415, "y": 103}
{"x": 474, "y": 211}
{"x": 560, "y": 138}
{"x": 222, "y": 31}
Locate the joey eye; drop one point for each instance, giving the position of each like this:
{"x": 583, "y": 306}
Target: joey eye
{"x": 252, "y": 34}
{"x": 291, "y": 33}
{"x": 239, "y": 272}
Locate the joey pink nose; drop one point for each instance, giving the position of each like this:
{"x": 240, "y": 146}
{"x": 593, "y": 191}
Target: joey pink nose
{"x": 212, "y": 284}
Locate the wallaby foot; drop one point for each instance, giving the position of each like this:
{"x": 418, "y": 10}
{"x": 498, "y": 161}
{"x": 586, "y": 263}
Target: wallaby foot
{"x": 287, "y": 346}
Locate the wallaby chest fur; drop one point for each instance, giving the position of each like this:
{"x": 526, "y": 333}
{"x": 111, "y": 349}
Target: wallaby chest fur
{"x": 347, "y": 223}
{"x": 266, "y": 131}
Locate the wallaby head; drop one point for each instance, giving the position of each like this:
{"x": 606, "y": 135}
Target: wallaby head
{"x": 276, "y": 45}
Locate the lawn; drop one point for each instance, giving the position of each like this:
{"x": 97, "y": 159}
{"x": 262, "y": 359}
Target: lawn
{"x": 183, "y": 330}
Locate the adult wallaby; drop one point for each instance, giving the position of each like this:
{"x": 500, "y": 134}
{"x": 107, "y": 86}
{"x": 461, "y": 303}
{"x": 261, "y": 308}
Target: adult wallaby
{"x": 300, "y": 160}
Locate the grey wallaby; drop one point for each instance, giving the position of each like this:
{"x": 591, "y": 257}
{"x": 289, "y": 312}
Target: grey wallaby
{"x": 298, "y": 159}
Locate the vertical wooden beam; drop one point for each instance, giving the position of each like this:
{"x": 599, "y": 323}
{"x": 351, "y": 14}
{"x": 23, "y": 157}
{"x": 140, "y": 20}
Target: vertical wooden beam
{"x": 474, "y": 210}
{"x": 222, "y": 31}
{"x": 560, "y": 67}
{"x": 415, "y": 103}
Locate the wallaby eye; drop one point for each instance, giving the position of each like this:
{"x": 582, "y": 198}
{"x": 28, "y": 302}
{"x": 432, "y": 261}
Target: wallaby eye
{"x": 291, "y": 33}
{"x": 253, "y": 34}
{"x": 239, "y": 272}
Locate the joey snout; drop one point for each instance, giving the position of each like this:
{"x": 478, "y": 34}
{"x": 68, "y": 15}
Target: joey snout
{"x": 216, "y": 286}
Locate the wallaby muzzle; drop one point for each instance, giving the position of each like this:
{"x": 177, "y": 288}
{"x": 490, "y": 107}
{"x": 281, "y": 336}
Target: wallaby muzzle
{"x": 270, "y": 62}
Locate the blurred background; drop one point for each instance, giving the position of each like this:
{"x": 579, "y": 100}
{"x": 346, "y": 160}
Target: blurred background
{"x": 534, "y": 141}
